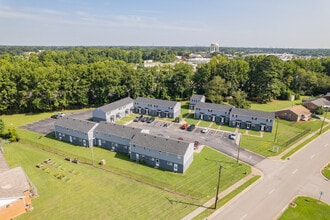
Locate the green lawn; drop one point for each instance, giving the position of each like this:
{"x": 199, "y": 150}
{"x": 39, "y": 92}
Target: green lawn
{"x": 306, "y": 209}
{"x": 286, "y": 131}
{"x": 326, "y": 171}
{"x": 72, "y": 196}
{"x": 204, "y": 123}
{"x": 275, "y": 105}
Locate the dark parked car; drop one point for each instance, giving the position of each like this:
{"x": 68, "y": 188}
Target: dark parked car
{"x": 316, "y": 116}
{"x": 138, "y": 118}
{"x": 144, "y": 119}
{"x": 177, "y": 119}
{"x": 191, "y": 127}
{"x": 150, "y": 120}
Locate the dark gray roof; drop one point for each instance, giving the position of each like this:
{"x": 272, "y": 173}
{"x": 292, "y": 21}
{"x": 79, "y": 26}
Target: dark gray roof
{"x": 321, "y": 102}
{"x": 253, "y": 113}
{"x": 13, "y": 183}
{"x": 197, "y": 97}
{"x": 117, "y": 130}
{"x": 213, "y": 106}
{"x": 116, "y": 104}
{"x": 158, "y": 102}
{"x": 75, "y": 124}
{"x": 160, "y": 143}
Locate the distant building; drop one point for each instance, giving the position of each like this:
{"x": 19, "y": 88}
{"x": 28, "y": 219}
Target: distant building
{"x": 16, "y": 192}
{"x": 157, "y": 107}
{"x": 194, "y": 99}
{"x": 252, "y": 119}
{"x": 327, "y": 96}
{"x": 213, "y": 112}
{"x": 294, "y": 113}
{"x": 214, "y": 48}
{"x": 314, "y": 103}
{"x": 113, "y": 111}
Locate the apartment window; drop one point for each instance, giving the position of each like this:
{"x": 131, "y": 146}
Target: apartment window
{"x": 179, "y": 157}
{"x": 169, "y": 163}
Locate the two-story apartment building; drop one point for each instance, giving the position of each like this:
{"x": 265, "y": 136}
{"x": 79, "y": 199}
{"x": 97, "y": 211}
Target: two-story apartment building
{"x": 160, "y": 152}
{"x": 194, "y": 99}
{"x": 157, "y": 107}
{"x": 114, "y": 137}
{"x": 76, "y": 131}
{"x": 252, "y": 119}
{"x": 113, "y": 111}
{"x": 212, "y": 112}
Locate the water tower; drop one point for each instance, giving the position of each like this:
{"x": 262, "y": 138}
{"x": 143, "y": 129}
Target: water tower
{"x": 214, "y": 48}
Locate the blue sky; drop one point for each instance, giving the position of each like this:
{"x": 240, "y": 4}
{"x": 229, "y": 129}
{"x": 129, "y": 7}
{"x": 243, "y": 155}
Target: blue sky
{"x": 236, "y": 23}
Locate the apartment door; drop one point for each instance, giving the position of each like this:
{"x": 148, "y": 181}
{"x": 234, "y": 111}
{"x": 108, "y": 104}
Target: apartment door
{"x": 137, "y": 157}
{"x": 70, "y": 137}
{"x": 175, "y": 167}
{"x": 157, "y": 162}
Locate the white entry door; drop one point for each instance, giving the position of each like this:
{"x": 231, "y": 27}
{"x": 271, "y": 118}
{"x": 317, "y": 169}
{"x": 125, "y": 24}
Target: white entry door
{"x": 70, "y": 139}
{"x": 175, "y": 167}
{"x": 157, "y": 162}
{"x": 137, "y": 156}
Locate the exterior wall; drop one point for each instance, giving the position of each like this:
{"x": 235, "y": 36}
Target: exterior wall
{"x": 75, "y": 137}
{"x": 246, "y": 122}
{"x": 157, "y": 110}
{"x": 113, "y": 115}
{"x": 16, "y": 208}
{"x": 193, "y": 102}
{"x": 312, "y": 107}
{"x": 166, "y": 161}
{"x": 287, "y": 115}
{"x": 112, "y": 142}
{"x": 212, "y": 115}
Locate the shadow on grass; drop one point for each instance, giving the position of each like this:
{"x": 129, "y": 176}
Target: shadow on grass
{"x": 186, "y": 203}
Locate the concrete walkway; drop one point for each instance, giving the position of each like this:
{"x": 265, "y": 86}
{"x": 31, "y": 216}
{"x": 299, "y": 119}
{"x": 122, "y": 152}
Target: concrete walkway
{"x": 210, "y": 203}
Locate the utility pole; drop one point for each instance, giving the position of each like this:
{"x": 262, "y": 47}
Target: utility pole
{"x": 238, "y": 148}
{"x": 326, "y": 111}
{"x": 216, "y": 196}
{"x": 276, "y": 130}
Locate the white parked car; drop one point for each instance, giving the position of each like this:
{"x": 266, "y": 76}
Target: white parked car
{"x": 60, "y": 114}
{"x": 233, "y": 136}
{"x": 205, "y": 130}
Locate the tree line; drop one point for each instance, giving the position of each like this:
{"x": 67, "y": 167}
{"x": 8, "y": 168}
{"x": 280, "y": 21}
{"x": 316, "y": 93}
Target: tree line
{"x": 90, "y": 77}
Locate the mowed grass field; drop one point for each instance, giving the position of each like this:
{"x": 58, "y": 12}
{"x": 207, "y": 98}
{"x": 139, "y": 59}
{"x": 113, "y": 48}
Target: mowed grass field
{"x": 306, "y": 209}
{"x": 121, "y": 189}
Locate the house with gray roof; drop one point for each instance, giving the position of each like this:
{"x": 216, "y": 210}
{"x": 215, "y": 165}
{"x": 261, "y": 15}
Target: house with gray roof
{"x": 113, "y": 111}
{"x": 313, "y": 104}
{"x": 75, "y": 131}
{"x": 114, "y": 137}
{"x": 212, "y": 112}
{"x": 252, "y": 119}
{"x": 194, "y": 99}
{"x": 157, "y": 107}
{"x": 160, "y": 152}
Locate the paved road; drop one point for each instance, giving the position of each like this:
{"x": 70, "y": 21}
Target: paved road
{"x": 213, "y": 138}
{"x": 282, "y": 181}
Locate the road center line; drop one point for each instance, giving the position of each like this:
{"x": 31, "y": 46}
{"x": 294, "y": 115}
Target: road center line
{"x": 271, "y": 191}
{"x": 293, "y": 172}
{"x": 312, "y": 156}
{"x": 243, "y": 217}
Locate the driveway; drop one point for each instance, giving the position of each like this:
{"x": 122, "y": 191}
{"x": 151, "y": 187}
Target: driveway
{"x": 213, "y": 138}
{"x": 46, "y": 126}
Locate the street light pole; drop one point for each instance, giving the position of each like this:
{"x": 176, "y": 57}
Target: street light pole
{"x": 216, "y": 196}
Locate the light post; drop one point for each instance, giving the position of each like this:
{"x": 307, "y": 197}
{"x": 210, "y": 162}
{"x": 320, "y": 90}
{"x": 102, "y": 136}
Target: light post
{"x": 218, "y": 186}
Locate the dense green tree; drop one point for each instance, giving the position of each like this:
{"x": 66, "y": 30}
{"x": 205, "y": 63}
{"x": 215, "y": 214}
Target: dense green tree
{"x": 216, "y": 90}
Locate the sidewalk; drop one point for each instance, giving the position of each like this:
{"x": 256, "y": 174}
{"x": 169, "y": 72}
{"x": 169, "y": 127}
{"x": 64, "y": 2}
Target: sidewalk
{"x": 210, "y": 203}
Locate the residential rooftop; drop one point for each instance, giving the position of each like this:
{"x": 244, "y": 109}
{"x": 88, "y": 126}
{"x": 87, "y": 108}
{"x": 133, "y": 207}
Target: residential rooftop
{"x": 161, "y": 144}
{"x": 118, "y": 130}
{"x": 13, "y": 183}
{"x": 252, "y": 113}
{"x": 75, "y": 124}
{"x": 213, "y": 106}
{"x": 114, "y": 105}
{"x": 158, "y": 102}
